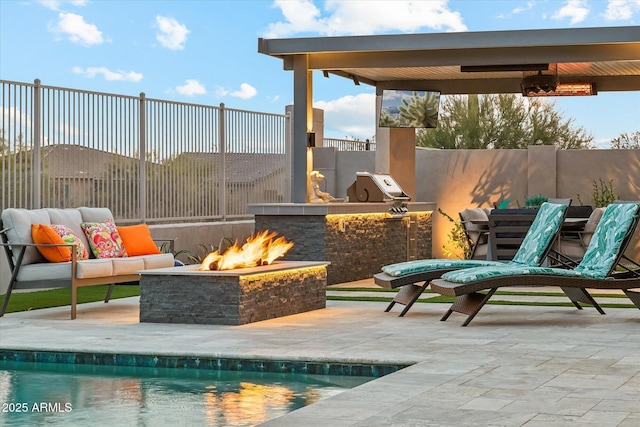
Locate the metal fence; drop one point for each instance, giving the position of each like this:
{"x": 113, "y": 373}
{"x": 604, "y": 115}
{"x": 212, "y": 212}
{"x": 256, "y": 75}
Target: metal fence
{"x": 349, "y": 144}
{"x": 146, "y": 159}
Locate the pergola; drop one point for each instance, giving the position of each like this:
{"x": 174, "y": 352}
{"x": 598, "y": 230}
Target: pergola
{"x": 451, "y": 63}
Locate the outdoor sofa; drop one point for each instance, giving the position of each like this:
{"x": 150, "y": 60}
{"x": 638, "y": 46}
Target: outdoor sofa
{"x": 65, "y": 255}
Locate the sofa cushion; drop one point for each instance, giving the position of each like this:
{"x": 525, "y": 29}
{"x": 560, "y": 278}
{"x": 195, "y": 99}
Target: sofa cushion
{"x": 104, "y": 240}
{"x": 137, "y": 240}
{"x": 43, "y": 234}
{"x": 18, "y": 224}
{"x": 71, "y": 218}
{"x": 158, "y": 261}
{"x": 70, "y": 236}
{"x": 45, "y": 271}
{"x": 95, "y": 214}
{"x": 127, "y": 265}
{"x": 92, "y": 268}
{"x": 85, "y": 269}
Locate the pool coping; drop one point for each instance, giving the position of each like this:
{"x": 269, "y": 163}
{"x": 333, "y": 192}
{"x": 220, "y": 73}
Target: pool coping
{"x": 216, "y": 363}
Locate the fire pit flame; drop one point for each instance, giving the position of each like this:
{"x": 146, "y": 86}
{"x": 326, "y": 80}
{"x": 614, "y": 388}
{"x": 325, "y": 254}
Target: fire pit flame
{"x": 261, "y": 249}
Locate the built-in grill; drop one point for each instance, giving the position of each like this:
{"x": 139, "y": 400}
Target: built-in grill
{"x": 375, "y": 187}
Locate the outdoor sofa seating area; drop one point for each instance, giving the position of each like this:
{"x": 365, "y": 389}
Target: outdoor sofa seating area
{"x": 54, "y": 248}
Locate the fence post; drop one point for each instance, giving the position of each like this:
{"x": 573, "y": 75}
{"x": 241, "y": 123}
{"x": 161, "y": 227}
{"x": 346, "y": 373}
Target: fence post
{"x": 37, "y": 167}
{"x": 142, "y": 164}
{"x": 288, "y": 144}
{"x": 222, "y": 174}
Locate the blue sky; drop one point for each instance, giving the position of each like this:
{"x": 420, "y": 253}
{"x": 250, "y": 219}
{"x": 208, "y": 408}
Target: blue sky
{"x": 205, "y": 52}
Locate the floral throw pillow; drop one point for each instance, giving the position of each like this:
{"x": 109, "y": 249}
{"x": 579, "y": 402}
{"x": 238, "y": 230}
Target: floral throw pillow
{"x": 69, "y": 236}
{"x": 104, "y": 239}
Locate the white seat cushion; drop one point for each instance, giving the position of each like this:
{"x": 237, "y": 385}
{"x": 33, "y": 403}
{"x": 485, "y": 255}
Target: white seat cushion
{"x": 92, "y": 268}
{"x": 127, "y": 265}
{"x": 158, "y": 261}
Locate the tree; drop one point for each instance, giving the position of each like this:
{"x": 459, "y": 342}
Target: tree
{"x": 627, "y": 141}
{"x": 501, "y": 121}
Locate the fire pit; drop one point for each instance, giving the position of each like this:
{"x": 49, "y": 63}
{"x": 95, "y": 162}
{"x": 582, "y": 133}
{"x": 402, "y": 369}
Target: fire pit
{"x": 232, "y": 297}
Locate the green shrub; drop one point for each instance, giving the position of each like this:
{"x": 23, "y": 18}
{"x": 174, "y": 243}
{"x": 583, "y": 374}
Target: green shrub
{"x": 457, "y": 239}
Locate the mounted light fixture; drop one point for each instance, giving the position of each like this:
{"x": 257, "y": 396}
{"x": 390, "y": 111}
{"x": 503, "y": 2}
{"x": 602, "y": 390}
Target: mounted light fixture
{"x": 355, "y": 80}
{"x": 311, "y": 139}
{"x": 569, "y": 89}
{"x": 538, "y": 84}
{"x": 325, "y": 73}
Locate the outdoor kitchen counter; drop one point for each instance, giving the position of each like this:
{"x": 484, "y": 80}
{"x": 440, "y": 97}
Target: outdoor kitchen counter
{"x": 337, "y": 208}
{"x": 358, "y": 239}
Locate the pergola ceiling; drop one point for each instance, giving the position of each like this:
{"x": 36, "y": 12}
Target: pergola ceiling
{"x": 608, "y": 57}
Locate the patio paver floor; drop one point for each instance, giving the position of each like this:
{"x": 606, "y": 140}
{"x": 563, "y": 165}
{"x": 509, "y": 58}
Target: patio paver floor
{"x": 512, "y": 366}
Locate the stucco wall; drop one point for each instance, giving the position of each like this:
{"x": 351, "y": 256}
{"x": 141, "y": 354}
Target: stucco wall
{"x": 457, "y": 179}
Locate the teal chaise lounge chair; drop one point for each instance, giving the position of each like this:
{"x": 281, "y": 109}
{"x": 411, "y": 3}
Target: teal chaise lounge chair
{"x": 414, "y": 276}
{"x": 600, "y": 268}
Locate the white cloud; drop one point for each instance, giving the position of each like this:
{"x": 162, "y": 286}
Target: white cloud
{"x": 191, "y": 88}
{"x": 92, "y": 72}
{"x": 221, "y": 92}
{"x": 575, "y": 10}
{"x": 604, "y": 143}
{"x": 350, "y": 116}
{"x": 77, "y": 30}
{"x": 172, "y": 35}
{"x": 363, "y": 17}
{"x": 55, "y": 4}
{"x": 246, "y": 91}
{"x": 621, "y": 10}
{"x": 521, "y": 9}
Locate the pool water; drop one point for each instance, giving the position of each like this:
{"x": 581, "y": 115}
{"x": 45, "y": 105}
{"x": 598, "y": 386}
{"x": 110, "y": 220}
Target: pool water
{"x": 55, "y": 394}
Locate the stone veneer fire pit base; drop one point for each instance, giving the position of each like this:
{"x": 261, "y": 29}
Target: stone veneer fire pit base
{"x": 234, "y": 297}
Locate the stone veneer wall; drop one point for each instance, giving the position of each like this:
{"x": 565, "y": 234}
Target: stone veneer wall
{"x": 231, "y": 300}
{"x": 368, "y": 242}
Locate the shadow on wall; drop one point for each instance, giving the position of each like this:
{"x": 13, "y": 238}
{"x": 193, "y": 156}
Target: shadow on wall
{"x": 468, "y": 178}
{"x": 491, "y": 186}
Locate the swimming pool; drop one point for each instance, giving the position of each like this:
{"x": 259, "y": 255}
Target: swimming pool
{"x": 60, "y": 394}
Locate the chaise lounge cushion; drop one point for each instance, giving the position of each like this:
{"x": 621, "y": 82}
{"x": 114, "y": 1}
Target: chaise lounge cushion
{"x": 542, "y": 231}
{"x": 600, "y": 258}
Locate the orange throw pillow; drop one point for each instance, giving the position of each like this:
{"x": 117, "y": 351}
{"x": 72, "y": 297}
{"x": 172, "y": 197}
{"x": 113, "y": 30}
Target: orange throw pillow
{"x": 43, "y": 234}
{"x": 137, "y": 240}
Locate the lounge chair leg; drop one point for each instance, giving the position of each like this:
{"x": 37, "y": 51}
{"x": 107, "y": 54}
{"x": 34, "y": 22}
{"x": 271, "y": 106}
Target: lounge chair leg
{"x": 479, "y": 307}
{"x": 577, "y": 295}
{"x": 634, "y": 296}
{"x": 469, "y": 304}
{"x": 446, "y": 315}
{"x": 408, "y": 295}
